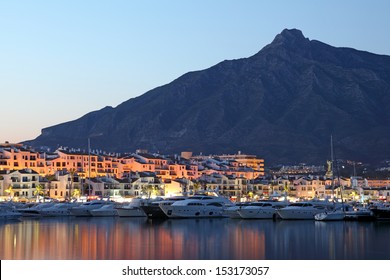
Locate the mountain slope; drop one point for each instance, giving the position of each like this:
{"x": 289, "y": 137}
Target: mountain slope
{"x": 283, "y": 103}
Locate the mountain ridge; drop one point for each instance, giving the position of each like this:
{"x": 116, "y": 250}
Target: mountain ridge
{"x": 282, "y": 103}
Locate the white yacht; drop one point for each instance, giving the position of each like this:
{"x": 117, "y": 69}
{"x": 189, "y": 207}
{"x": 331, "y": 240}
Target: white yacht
{"x": 153, "y": 210}
{"x": 9, "y": 213}
{"x": 84, "y": 209}
{"x": 131, "y": 209}
{"x": 305, "y": 210}
{"x": 35, "y": 210}
{"x": 334, "y": 215}
{"x": 107, "y": 210}
{"x": 261, "y": 210}
{"x": 359, "y": 213}
{"x": 58, "y": 209}
{"x": 232, "y": 211}
{"x": 197, "y": 206}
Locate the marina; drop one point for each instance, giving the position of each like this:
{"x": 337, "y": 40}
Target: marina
{"x": 116, "y": 238}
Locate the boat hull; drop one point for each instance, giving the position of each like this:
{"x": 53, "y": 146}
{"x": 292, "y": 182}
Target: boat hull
{"x": 257, "y": 213}
{"x": 9, "y": 215}
{"x": 298, "y": 214}
{"x": 106, "y": 213}
{"x": 330, "y": 216}
{"x": 195, "y": 212}
{"x": 381, "y": 214}
{"x": 130, "y": 212}
{"x": 154, "y": 212}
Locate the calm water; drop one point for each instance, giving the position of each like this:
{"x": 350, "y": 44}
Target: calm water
{"x": 202, "y": 239}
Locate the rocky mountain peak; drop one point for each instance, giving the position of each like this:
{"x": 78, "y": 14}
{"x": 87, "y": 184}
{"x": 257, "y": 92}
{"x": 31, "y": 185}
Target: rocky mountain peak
{"x": 290, "y": 37}
{"x": 281, "y": 104}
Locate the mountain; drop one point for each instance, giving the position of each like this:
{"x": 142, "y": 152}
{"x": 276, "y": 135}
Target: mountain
{"x": 282, "y": 104}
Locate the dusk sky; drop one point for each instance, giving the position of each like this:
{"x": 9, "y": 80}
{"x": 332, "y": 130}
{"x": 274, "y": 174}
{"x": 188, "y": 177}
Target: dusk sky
{"x": 62, "y": 59}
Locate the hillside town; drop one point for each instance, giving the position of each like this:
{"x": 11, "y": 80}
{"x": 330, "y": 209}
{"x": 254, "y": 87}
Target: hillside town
{"x": 66, "y": 174}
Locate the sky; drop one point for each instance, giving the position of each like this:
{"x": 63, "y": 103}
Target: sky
{"x": 60, "y": 60}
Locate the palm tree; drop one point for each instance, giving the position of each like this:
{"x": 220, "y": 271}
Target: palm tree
{"x": 71, "y": 173}
{"x": 10, "y": 191}
{"x": 149, "y": 190}
{"x": 76, "y": 193}
{"x": 286, "y": 188}
{"x": 39, "y": 190}
{"x": 196, "y": 186}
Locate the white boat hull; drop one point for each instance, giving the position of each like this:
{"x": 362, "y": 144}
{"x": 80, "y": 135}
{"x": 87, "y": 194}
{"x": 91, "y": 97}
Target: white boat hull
{"x": 330, "y": 216}
{"x": 80, "y": 212}
{"x": 57, "y": 213}
{"x": 58, "y": 210}
{"x": 85, "y": 209}
{"x": 106, "y": 213}
{"x": 130, "y": 212}
{"x": 298, "y": 214}
{"x": 232, "y": 212}
{"x": 253, "y": 212}
{"x": 195, "y": 212}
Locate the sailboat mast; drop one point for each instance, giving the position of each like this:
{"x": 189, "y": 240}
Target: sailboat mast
{"x": 332, "y": 163}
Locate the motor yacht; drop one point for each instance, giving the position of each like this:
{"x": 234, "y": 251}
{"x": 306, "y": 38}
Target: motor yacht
{"x": 334, "y": 215}
{"x": 358, "y": 213}
{"x": 197, "y": 206}
{"x": 84, "y": 209}
{"x": 232, "y": 211}
{"x": 305, "y": 210}
{"x": 35, "y": 210}
{"x": 153, "y": 210}
{"x": 107, "y": 210}
{"x": 261, "y": 210}
{"x": 381, "y": 211}
{"x": 9, "y": 213}
{"x": 58, "y": 209}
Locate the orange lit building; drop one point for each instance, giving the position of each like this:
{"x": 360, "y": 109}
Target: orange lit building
{"x": 84, "y": 166}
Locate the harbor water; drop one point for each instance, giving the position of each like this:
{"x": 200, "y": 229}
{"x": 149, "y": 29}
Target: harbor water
{"x": 74, "y": 238}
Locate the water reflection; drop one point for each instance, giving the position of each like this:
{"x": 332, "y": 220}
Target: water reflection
{"x": 139, "y": 238}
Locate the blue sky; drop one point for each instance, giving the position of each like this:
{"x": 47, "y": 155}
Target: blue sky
{"x": 62, "y": 59}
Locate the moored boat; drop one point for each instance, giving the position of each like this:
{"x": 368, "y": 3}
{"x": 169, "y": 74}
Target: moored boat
{"x": 153, "y": 209}
{"x": 381, "y": 211}
{"x": 35, "y": 210}
{"x": 197, "y": 206}
{"x": 359, "y": 213}
{"x": 232, "y": 211}
{"x": 9, "y": 213}
{"x": 261, "y": 209}
{"x": 84, "y": 209}
{"x": 58, "y": 209}
{"x": 334, "y": 215}
{"x": 130, "y": 211}
{"x": 305, "y": 210}
{"x": 107, "y": 210}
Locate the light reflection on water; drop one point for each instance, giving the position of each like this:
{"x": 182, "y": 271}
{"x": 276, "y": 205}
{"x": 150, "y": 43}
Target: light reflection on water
{"x": 217, "y": 239}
